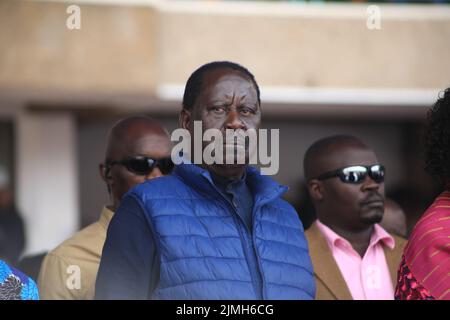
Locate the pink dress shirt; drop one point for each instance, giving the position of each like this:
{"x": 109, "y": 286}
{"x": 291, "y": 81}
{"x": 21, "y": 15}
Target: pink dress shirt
{"x": 367, "y": 278}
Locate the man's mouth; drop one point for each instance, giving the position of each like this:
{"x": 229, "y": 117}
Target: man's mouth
{"x": 377, "y": 202}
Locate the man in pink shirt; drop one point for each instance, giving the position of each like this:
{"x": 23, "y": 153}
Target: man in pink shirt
{"x": 353, "y": 257}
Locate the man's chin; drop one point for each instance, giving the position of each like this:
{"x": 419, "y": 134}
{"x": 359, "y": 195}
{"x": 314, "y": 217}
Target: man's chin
{"x": 232, "y": 171}
{"x": 235, "y": 154}
{"x": 372, "y": 218}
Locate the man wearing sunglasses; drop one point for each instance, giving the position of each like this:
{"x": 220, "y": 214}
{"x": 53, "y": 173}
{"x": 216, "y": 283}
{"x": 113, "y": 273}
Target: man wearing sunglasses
{"x": 353, "y": 257}
{"x": 138, "y": 149}
{"x": 208, "y": 231}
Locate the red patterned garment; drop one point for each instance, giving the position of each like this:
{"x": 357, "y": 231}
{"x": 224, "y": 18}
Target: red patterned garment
{"x": 425, "y": 269}
{"x": 408, "y": 288}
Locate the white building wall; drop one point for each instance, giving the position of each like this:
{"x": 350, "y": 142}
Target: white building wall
{"x": 47, "y": 178}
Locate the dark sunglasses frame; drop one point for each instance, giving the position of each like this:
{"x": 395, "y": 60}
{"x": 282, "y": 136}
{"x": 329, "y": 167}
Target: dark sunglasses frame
{"x": 164, "y": 164}
{"x": 343, "y": 173}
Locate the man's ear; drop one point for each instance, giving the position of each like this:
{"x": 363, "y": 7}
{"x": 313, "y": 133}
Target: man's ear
{"x": 104, "y": 172}
{"x": 184, "y": 119}
{"x": 315, "y": 188}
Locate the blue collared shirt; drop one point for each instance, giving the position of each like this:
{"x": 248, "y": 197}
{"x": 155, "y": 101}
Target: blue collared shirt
{"x": 238, "y": 194}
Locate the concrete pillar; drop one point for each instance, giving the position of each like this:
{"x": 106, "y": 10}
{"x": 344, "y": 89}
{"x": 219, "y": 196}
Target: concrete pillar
{"x": 47, "y": 178}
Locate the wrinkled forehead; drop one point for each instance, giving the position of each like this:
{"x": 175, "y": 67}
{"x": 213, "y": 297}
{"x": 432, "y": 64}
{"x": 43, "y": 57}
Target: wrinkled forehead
{"x": 347, "y": 155}
{"x": 227, "y": 83}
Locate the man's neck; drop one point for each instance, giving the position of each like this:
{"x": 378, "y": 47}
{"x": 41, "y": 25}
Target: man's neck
{"x": 358, "y": 238}
{"x": 232, "y": 172}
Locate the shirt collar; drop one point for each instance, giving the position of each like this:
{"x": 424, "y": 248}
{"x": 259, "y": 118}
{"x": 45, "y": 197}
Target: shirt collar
{"x": 264, "y": 188}
{"x": 332, "y": 237}
{"x": 379, "y": 235}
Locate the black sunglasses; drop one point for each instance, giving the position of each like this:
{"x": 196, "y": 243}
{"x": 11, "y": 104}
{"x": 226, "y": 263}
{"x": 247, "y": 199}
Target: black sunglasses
{"x": 356, "y": 174}
{"x": 143, "y": 165}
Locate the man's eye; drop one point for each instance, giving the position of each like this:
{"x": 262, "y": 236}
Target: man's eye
{"x": 246, "y": 111}
{"x": 218, "y": 110}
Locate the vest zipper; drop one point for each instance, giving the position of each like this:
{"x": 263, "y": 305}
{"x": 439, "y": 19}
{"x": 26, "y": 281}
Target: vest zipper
{"x": 259, "y": 289}
{"x": 258, "y": 259}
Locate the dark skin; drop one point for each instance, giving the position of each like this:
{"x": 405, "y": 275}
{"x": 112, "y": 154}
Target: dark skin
{"x": 136, "y": 137}
{"x": 350, "y": 210}
{"x": 228, "y": 100}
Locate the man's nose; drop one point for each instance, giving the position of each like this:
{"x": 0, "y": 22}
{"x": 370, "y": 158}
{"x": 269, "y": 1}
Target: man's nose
{"x": 370, "y": 184}
{"x": 155, "y": 173}
{"x": 234, "y": 121}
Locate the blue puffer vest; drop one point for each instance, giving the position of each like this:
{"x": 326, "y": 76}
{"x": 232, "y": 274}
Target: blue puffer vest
{"x": 201, "y": 247}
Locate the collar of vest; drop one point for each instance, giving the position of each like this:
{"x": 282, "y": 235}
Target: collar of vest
{"x": 263, "y": 188}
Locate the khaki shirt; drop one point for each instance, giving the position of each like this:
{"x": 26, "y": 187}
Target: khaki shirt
{"x": 69, "y": 271}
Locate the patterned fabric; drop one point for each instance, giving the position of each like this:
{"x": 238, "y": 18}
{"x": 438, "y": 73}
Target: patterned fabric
{"x": 202, "y": 244}
{"x": 14, "y": 285}
{"x": 427, "y": 255}
{"x": 408, "y": 288}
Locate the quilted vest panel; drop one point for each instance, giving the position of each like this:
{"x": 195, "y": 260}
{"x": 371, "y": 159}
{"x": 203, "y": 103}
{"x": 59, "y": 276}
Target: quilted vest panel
{"x": 201, "y": 247}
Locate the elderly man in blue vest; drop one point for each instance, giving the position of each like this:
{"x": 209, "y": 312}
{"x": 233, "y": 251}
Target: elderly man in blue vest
{"x": 208, "y": 231}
